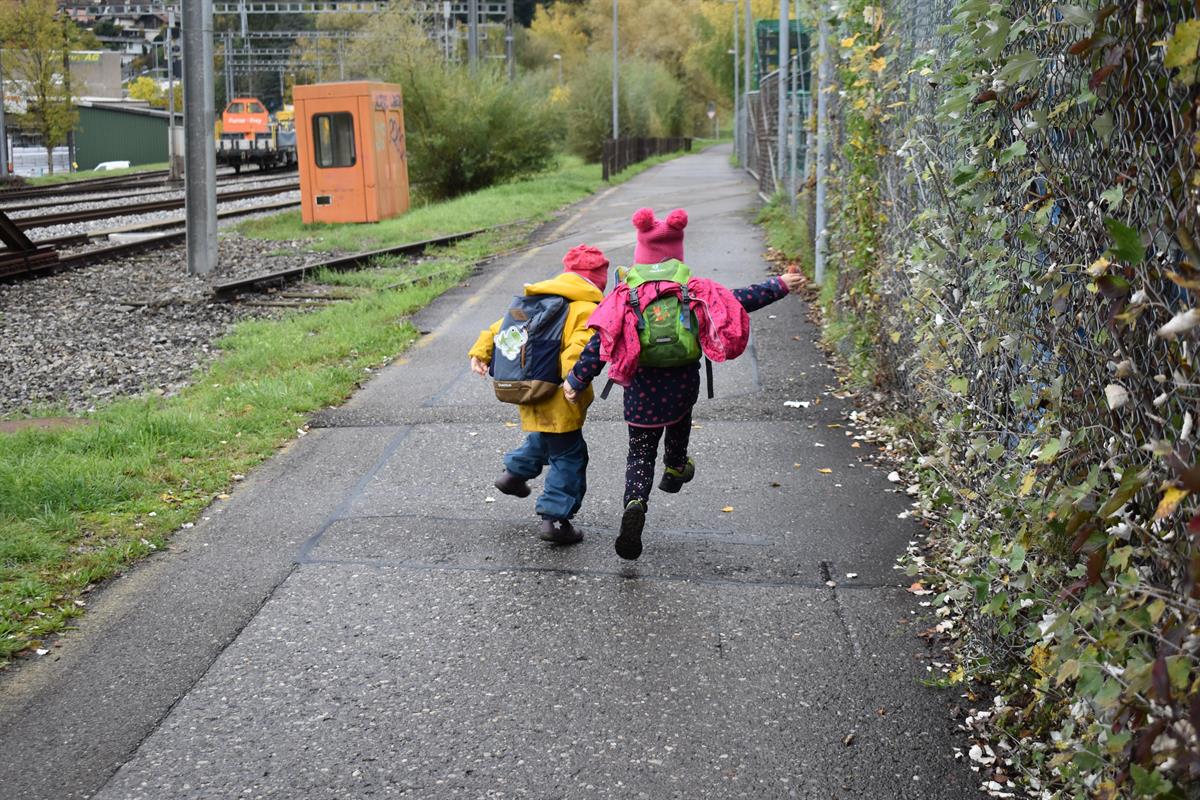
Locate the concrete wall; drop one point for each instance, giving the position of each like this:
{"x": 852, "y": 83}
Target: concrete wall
{"x": 96, "y": 73}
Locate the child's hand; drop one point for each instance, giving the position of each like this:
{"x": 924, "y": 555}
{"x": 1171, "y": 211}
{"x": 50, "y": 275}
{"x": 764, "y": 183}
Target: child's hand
{"x": 478, "y": 367}
{"x": 793, "y": 281}
{"x": 569, "y": 393}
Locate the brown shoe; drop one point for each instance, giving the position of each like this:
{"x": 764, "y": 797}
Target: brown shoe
{"x": 559, "y": 531}
{"x": 511, "y": 484}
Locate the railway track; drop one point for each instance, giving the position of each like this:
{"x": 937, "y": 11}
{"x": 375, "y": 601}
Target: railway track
{"x": 140, "y": 180}
{"x": 112, "y": 212}
{"x": 257, "y": 283}
{"x": 24, "y": 258}
{"x": 84, "y": 186}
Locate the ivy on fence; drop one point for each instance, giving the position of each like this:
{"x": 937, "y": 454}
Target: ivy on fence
{"x": 1014, "y": 224}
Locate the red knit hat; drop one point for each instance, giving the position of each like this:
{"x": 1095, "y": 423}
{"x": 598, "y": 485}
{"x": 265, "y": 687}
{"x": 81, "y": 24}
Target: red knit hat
{"x": 587, "y": 262}
{"x": 658, "y": 240}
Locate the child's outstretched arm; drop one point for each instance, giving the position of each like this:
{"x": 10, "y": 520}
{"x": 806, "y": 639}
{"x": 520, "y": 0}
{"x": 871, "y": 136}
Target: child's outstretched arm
{"x": 585, "y": 370}
{"x": 762, "y": 294}
{"x": 481, "y": 352}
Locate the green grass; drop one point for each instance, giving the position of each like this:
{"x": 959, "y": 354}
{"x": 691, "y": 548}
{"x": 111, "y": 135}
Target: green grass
{"x": 78, "y": 505}
{"x": 67, "y": 177}
{"x": 787, "y": 234}
{"x": 532, "y": 200}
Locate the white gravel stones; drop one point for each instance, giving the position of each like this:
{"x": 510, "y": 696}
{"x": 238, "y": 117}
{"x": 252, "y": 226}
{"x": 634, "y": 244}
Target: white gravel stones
{"x": 71, "y": 340}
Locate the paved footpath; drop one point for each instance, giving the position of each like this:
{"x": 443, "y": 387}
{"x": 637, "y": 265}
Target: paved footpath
{"x": 367, "y": 617}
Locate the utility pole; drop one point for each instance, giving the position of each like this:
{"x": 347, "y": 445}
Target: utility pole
{"x": 737, "y": 98}
{"x": 3, "y": 129}
{"x": 201, "y": 172}
{"x": 509, "y": 57}
{"x": 746, "y": 83}
{"x": 824, "y": 75}
{"x": 781, "y": 129}
{"x": 473, "y": 33}
{"x": 615, "y": 72}
{"x": 227, "y": 45}
{"x": 70, "y": 99}
{"x": 172, "y": 161}
{"x": 795, "y": 137}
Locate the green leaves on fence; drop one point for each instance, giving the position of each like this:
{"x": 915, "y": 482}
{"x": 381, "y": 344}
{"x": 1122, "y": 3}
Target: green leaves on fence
{"x": 1127, "y": 244}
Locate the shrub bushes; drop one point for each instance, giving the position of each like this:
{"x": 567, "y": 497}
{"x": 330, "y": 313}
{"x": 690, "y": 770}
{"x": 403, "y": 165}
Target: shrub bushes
{"x": 651, "y": 103}
{"x": 465, "y": 134}
{"x": 465, "y": 131}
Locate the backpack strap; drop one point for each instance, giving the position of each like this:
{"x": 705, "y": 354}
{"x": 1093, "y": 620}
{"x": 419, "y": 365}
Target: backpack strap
{"x": 634, "y": 303}
{"x": 607, "y": 388}
{"x": 708, "y": 376}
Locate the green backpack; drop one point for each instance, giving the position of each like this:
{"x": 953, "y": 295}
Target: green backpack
{"x": 667, "y": 327}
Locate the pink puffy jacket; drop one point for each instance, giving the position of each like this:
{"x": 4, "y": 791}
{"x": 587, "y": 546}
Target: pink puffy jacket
{"x": 724, "y": 325}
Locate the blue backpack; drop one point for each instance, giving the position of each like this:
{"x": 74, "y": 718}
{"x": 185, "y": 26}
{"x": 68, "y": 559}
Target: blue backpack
{"x": 525, "y": 363}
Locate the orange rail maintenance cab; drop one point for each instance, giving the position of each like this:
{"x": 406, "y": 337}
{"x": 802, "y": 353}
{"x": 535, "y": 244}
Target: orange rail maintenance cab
{"x": 351, "y": 149}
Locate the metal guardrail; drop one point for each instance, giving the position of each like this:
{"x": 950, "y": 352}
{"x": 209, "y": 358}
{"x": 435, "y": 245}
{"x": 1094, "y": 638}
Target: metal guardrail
{"x": 629, "y": 150}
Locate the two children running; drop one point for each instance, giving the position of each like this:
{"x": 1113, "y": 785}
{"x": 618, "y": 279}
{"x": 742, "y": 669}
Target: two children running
{"x": 651, "y": 332}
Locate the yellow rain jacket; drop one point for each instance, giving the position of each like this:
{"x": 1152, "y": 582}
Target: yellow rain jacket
{"x": 556, "y": 414}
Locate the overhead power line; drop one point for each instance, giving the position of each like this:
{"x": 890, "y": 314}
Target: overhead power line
{"x": 459, "y": 8}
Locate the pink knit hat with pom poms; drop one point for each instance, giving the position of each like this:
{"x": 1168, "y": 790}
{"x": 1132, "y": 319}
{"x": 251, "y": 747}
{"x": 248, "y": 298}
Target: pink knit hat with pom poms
{"x": 658, "y": 240}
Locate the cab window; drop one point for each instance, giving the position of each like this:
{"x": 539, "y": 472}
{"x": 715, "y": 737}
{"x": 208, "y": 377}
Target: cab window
{"x": 236, "y": 108}
{"x": 257, "y": 108}
{"x": 334, "y": 138}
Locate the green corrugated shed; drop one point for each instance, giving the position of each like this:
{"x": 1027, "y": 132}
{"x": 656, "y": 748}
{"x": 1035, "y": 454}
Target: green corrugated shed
{"x": 119, "y": 133}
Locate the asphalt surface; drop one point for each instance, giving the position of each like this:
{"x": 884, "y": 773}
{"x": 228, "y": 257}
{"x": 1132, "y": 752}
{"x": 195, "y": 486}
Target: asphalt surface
{"x": 367, "y": 616}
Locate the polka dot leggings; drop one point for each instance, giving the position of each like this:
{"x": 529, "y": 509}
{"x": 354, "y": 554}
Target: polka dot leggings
{"x": 643, "y": 452}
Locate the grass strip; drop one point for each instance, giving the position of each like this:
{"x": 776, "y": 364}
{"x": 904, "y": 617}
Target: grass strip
{"x": 79, "y": 504}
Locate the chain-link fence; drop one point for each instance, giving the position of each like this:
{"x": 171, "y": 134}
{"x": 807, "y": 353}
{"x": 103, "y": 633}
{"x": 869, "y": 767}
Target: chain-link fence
{"x": 1110, "y": 137}
{"x": 758, "y": 147}
{"x": 1015, "y": 228}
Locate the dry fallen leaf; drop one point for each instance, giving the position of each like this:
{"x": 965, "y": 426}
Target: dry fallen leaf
{"x": 727, "y": 509}
{"x": 823, "y": 470}
{"x": 1170, "y": 501}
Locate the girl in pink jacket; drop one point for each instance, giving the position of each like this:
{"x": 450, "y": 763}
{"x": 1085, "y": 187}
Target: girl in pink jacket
{"x": 659, "y": 400}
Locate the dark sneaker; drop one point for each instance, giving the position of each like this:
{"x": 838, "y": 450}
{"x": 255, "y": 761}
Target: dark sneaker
{"x": 559, "y": 531}
{"x": 511, "y": 484}
{"x": 674, "y": 479}
{"x": 629, "y": 540}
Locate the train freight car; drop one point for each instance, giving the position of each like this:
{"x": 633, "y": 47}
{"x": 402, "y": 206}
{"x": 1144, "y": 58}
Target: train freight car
{"x": 249, "y": 135}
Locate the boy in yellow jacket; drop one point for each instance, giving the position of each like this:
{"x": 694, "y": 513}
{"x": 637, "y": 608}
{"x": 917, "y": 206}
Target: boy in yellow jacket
{"x": 555, "y": 426}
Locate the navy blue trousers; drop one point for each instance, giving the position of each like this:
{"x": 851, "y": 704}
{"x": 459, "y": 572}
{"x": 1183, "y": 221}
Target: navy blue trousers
{"x": 566, "y": 482}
